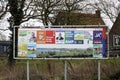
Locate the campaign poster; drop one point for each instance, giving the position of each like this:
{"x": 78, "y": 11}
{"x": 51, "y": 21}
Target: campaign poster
{"x": 97, "y": 50}
{"x": 22, "y": 37}
{"x": 97, "y": 37}
{"x": 31, "y": 48}
{"x": 69, "y": 37}
{"x": 60, "y": 37}
{"x": 79, "y": 37}
{"x": 88, "y": 37}
{"x": 31, "y": 36}
{"x": 50, "y": 37}
{"x": 41, "y": 36}
{"x": 22, "y": 43}
{"x": 104, "y": 33}
{"x": 22, "y": 50}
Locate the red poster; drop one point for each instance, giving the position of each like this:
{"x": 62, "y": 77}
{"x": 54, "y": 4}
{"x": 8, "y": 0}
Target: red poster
{"x": 41, "y": 37}
{"x": 50, "y": 37}
{"x": 104, "y": 33}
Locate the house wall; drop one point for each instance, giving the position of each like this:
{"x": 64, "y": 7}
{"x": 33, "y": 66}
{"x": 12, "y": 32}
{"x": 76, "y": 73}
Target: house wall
{"x": 4, "y": 47}
{"x": 114, "y": 38}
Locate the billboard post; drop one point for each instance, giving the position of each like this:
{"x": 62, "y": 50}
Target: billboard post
{"x": 65, "y": 70}
{"x": 99, "y": 73}
{"x": 108, "y": 46}
{"x": 28, "y": 77}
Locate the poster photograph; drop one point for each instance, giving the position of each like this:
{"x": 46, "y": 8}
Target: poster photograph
{"x": 60, "y": 36}
{"x": 22, "y": 50}
{"x": 41, "y": 37}
{"x": 97, "y": 51}
{"x": 31, "y": 50}
{"x": 64, "y": 43}
{"x": 31, "y": 36}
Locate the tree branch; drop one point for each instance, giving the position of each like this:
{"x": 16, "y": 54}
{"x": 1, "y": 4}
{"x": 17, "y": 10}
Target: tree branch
{"x": 4, "y": 29}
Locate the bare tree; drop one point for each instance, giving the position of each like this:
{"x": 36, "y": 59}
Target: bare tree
{"x": 2, "y": 37}
{"x": 46, "y": 8}
{"x": 68, "y": 7}
{"x": 72, "y": 5}
{"x": 3, "y": 8}
{"x": 3, "y": 11}
{"x": 110, "y": 8}
{"x": 29, "y": 11}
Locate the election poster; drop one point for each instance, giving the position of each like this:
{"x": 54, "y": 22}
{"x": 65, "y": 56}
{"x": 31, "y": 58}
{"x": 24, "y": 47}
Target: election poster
{"x": 50, "y": 37}
{"x": 31, "y": 36}
{"x": 31, "y": 50}
{"x": 79, "y": 36}
{"x": 97, "y": 51}
{"x": 60, "y": 37}
{"x": 41, "y": 37}
{"x": 22, "y": 43}
{"x": 22, "y": 50}
{"x": 69, "y": 37}
{"x": 22, "y": 37}
{"x": 97, "y": 37}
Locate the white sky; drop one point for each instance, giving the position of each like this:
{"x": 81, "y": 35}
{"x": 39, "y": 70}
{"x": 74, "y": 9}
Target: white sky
{"x": 4, "y": 24}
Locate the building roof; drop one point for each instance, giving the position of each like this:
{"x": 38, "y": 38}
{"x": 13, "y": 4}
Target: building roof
{"x": 116, "y": 26}
{"x": 73, "y": 18}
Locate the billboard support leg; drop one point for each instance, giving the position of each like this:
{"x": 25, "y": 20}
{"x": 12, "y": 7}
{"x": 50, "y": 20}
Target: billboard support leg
{"x": 28, "y": 70}
{"x": 65, "y": 70}
{"x": 99, "y": 70}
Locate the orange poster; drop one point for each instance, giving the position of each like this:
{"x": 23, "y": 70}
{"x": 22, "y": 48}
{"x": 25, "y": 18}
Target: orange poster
{"x": 41, "y": 37}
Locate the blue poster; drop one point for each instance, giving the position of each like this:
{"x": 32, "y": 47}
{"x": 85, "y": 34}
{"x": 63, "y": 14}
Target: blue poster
{"x": 31, "y": 52}
{"x": 97, "y": 37}
{"x": 103, "y": 47}
{"x": 69, "y": 37}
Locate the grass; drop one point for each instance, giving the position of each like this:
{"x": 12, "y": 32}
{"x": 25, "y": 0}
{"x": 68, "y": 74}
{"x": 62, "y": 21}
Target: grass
{"x": 54, "y": 69}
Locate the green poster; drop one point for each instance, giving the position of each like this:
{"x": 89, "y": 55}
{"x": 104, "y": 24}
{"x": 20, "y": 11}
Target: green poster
{"x": 97, "y": 50}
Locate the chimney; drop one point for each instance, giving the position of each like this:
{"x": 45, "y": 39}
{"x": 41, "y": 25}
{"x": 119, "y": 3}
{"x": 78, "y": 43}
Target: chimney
{"x": 98, "y": 13}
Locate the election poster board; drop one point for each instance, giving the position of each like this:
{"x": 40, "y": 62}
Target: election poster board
{"x": 62, "y": 43}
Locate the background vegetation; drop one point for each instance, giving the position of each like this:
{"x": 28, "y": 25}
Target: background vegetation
{"x": 76, "y": 70}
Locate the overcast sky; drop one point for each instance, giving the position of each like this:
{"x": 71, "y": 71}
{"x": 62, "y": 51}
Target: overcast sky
{"x": 4, "y": 24}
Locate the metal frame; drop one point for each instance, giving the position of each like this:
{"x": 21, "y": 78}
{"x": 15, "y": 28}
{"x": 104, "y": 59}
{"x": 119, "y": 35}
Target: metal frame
{"x": 64, "y": 26}
{"x": 14, "y": 42}
{"x": 108, "y": 43}
{"x": 58, "y": 26}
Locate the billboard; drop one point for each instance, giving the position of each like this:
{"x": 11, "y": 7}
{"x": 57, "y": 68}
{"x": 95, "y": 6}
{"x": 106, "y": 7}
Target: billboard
{"x": 39, "y": 43}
